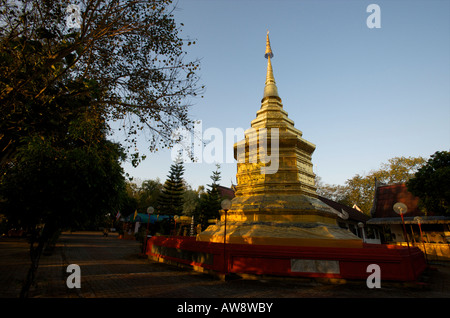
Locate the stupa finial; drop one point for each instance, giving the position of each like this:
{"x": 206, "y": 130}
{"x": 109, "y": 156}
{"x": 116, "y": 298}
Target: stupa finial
{"x": 269, "y": 52}
{"x": 271, "y": 87}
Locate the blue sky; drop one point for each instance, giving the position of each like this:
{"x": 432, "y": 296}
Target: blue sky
{"x": 361, "y": 95}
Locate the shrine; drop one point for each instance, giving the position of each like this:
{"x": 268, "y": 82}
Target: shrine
{"x": 276, "y": 224}
{"x": 276, "y": 202}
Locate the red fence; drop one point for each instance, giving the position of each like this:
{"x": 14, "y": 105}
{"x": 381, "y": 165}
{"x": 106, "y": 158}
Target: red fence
{"x": 396, "y": 263}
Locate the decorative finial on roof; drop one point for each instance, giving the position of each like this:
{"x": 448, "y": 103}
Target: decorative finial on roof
{"x": 271, "y": 87}
{"x": 268, "y": 48}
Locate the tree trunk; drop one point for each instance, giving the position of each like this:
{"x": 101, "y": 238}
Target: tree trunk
{"x": 35, "y": 254}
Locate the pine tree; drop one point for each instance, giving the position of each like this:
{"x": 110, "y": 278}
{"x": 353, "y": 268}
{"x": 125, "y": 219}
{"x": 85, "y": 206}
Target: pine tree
{"x": 209, "y": 206}
{"x": 170, "y": 202}
{"x": 213, "y": 191}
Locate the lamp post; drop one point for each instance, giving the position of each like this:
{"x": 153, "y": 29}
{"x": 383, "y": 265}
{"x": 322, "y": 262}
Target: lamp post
{"x": 175, "y": 218}
{"x": 226, "y": 205}
{"x": 419, "y": 221}
{"x": 150, "y": 211}
{"x": 401, "y": 208}
{"x": 192, "y": 227}
{"x": 361, "y": 226}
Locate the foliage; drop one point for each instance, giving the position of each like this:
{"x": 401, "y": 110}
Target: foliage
{"x": 360, "y": 189}
{"x": 130, "y": 202}
{"x": 60, "y": 86}
{"x": 128, "y": 52}
{"x": 148, "y": 194}
{"x": 209, "y": 204}
{"x": 191, "y": 200}
{"x": 337, "y": 193}
{"x": 140, "y": 197}
{"x": 170, "y": 201}
{"x": 431, "y": 184}
{"x": 62, "y": 180}
{"x": 64, "y": 186}
{"x": 214, "y": 198}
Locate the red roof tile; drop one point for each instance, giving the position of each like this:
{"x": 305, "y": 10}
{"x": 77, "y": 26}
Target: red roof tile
{"x": 225, "y": 192}
{"x": 386, "y": 196}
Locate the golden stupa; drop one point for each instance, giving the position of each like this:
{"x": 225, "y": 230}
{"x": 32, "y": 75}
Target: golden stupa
{"x": 276, "y": 201}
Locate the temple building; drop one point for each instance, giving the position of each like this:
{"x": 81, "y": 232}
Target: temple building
{"x": 424, "y": 229}
{"x": 276, "y": 201}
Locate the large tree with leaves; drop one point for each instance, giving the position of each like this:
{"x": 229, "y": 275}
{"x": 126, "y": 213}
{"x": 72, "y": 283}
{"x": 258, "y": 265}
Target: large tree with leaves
{"x": 58, "y": 168}
{"x": 148, "y": 194}
{"x": 130, "y": 51}
{"x": 60, "y": 180}
{"x": 62, "y": 83}
{"x": 432, "y": 184}
{"x": 360, "y": 189}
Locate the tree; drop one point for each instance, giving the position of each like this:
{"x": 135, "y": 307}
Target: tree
{"x": 209, "y": 205}
{"x": 397, "y": 170}
{"x": 130, "y": 202}
{"x": 170, "y": 201}
{"x": 337, "y": 193}
{"x": 62, "y": 181}
{"x": 129, "y": 51}
{"x": 360, "y": 189}
{"x": 148, "y": 194}
{"x": 431, "y": 184}
{"x": 213, "y": 191}
{"x": 191, "y": 200}
{"x": 60, "y": 86}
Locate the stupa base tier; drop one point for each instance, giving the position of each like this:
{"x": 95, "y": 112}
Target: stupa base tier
{"x": 281, "y": 234}
{"x": 279, "y": 208}
{"x": 280, "y": 217}
{"x": 395, "y": 263}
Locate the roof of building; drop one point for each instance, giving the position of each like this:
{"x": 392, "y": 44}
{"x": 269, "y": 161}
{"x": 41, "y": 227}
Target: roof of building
{"x": 353, "y": 214}
{"x": 387, "y": 195}
{"x": 225, "y": 192}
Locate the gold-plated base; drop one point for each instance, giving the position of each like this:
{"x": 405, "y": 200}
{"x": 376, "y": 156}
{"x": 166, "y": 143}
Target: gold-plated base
{"x": 281, "y": 234}
{"x": 279, "y": 207}
{"x": 280, "y": 220}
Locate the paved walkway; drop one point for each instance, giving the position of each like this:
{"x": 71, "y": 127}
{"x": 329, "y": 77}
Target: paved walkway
{"x": 112, "y": 268}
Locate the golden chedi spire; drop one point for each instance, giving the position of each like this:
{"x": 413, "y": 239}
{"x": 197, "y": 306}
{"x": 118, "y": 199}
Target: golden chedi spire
{"x": 275, "y": 200}
{"x": 270, "y": 90}
{"x": 269, "y": 52}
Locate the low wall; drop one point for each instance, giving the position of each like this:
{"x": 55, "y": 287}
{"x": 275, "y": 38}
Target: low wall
{"x": 396, "y": 263}
{"x": 435, "y": 251}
